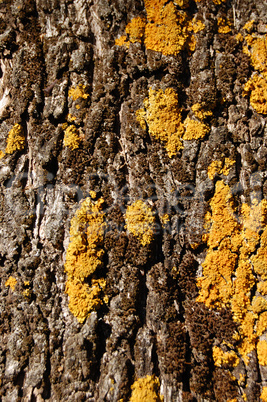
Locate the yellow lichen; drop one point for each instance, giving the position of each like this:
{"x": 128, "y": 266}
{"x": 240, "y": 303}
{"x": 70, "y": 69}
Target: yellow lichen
{"x": 163, "y": 117}
{"x": 257, "y": 88}
{"x": 242, "y": 378}
{"x": 146, "y": 389}
{"x": 194, "y": 129}
{"x": 264, "y": 394}
{"x": 248, "y": 26}
{"x": 84, "y": 258}
{"x": 11, "y": 282}
{"x": 26, "y": 293}
{"x": 78, "y": 92}
{"x": 140, "y": 117}
{"x": 84, "y": 298}
{"x": 214, "y": 168}
{"x": 223, "y": 26}
{"x": 220, "y": 357}
{"x": 122, "y": 41}
{"x": 228, "y": 267}
{"x": 71, "y": 137}
{"x": 262, "y": 352}
{"x": 15, "y": 139}
{"x": 259, "y": 304}
{"x": 2, "y": 154}
{"x": 262, "y": 323}
{"x": 136, "y": 29}
{"x": 197, "y": 25}
{"x": 239, "y": 37}
{"x": 92, "y": 194}
{"x": 71, "y": 118}
{"x": 199, "y": 111}
{"x": 166, "y": 29}
{"x": 259, "y": 260}
{"x": 220, "y": 167}
{"x": 165, "y": 219}
{"x": 214, "y": 1}
{"x": 140, "y": 221}
{"x": 262, "y": 288}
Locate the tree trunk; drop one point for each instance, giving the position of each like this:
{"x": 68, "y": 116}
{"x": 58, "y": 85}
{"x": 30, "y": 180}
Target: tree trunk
{"x": 133, "y": 239}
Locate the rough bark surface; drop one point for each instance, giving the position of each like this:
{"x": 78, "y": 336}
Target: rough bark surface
{"x": 80, "y": 94}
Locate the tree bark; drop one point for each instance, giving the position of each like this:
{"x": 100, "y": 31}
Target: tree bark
{"x": 133, "y": 240}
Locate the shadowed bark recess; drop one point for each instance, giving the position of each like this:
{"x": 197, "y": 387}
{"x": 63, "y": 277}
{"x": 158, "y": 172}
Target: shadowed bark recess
{"x": 133, "y": 213}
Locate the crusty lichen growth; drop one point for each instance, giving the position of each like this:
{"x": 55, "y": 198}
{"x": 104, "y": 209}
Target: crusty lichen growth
{"x": 220, "y": 357}
{"x": 223, "y": 26}
{"x": 200, "y": 111}
{"x": 166, "y": 29}
{"x": 236, "y": 254}
{"x": 264, "y": 394}
{"x": 71, "y": 137}
{"x": 84, "y": 259}
{"x": 11, "y": 282}
{"x": 163, "y": 117}
{"x": 256, "y": 86}
{"x": 195, "y": 129}
{"x": 146, "y": 389}
{"x": 262, "y": 352}
{"x": 78, "y": 92}
{"x": 140, "y": 221}
{"x": 249, "y": 26}
{"x": 220, "y": 167}
{"x": 15, "y": 139}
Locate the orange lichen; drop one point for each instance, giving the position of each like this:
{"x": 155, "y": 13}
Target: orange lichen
{"x": 146, "y": 389}
{"x": 228, "y": 275}
{"x": 136, "y": 29}
{"x": 259, "y": 260}
{"x": 122, "y": 41}
{"x": 262, "y": 323}
{"x": 223, "y": 26}
{"x": 163, "y": 117}
{"x": 220, "y": 167}
{"x": 165, "y": 219}
{"x": 262, "y": 288}
{"x": 194, "y": 129}
{"x": 248, "y": 25}
{"x": 264, "y": 394}
{"x": 199, "y": 111}
{"x": 71, "y": 137}
{"x": 220, "y": 357}
{"x": 11, "y": 282}
{"x": 256, "y": 87}
{"x": 259, "y": 304}
{"x": 239, "y": 37}
{"x": 84, "y": 258}
{"x": 140, "y": 221}
{"x": 262, "y": 352}
{"x": 15, "y": 139}
{"x": 78, "y": 92}
{"x": 197, "y": 25}
{"x": 166, "y": 29}
{"x": 71, "y": 118}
